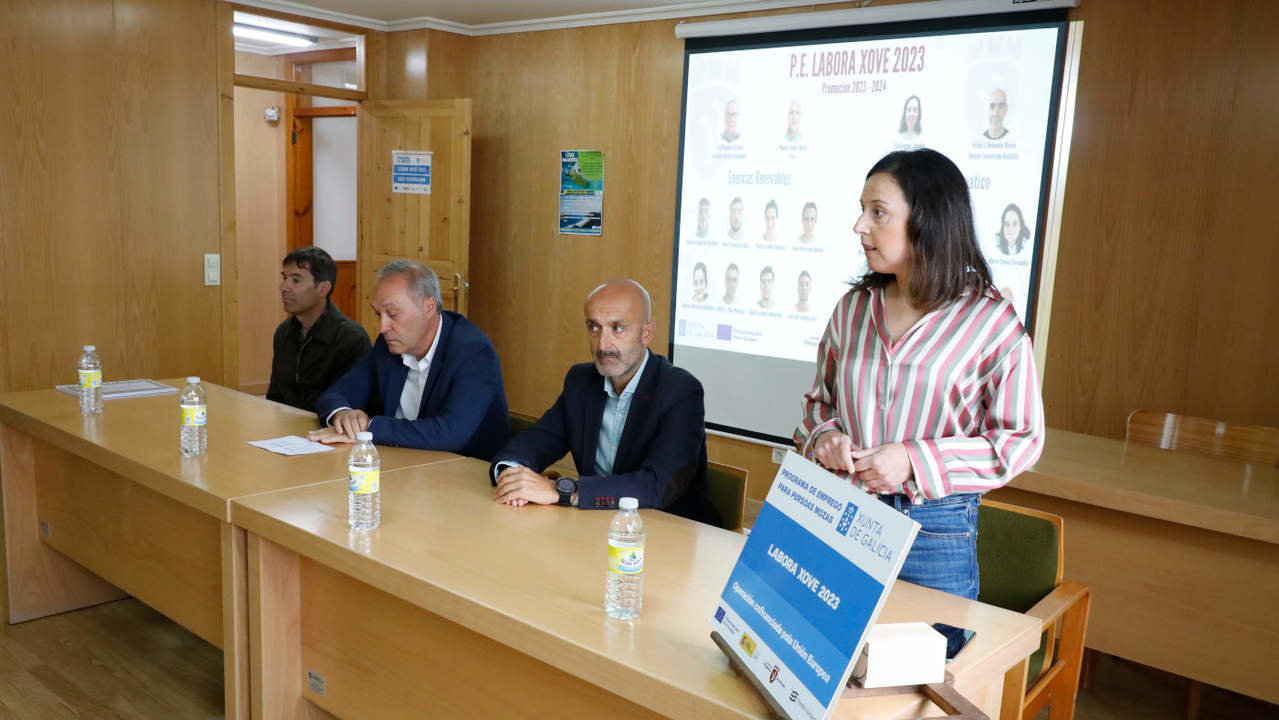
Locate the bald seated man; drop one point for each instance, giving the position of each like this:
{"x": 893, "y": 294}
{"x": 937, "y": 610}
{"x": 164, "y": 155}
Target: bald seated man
{"x": 633, "y": 422}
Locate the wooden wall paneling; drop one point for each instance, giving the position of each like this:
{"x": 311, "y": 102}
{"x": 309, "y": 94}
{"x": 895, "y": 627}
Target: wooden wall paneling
{"x": 1165, "y": 295}
{"x": 448, "y": 65}
{"x": 344, "y": 292}
{"x": 406, "y": 65}
{"x": 260, "y": 221}
{"x": 168, "y": 184}
{"x": 63, "y": 262}
{"x": 371, "y": 58}
{"x": 228, "y": 246}
{"x": 1241, "y": 247}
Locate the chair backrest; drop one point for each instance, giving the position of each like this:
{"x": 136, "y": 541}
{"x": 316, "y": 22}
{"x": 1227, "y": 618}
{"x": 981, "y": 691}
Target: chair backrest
{"x": 1249, "y": 443}
{"x": 726, "y": 486}
{"x": 520, "y": 423}
{"x": 1019, "y": 555}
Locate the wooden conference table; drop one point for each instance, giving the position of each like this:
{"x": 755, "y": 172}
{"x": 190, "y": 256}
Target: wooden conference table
{"x": 1181, "y": 552}
{"x": 460, "y": 607}
{"x": 113, "y": 493}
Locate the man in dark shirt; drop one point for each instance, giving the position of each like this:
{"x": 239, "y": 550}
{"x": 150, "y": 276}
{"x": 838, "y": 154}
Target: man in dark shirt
{"x": 317, "y": 344}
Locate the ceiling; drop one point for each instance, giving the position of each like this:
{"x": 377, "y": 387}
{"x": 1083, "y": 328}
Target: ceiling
{"x": 482, "y": 17}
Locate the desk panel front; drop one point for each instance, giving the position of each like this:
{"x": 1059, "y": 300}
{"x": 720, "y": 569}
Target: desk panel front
{"x": 1181, "y": 553}
{"x": 113, "y": 493}
{"x": 460, "y": 605}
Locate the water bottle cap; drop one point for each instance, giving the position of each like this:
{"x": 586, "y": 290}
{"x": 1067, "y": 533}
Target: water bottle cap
{"x": 628, "y": 503}
{"x": 90, "y": 348}
{"x": 194, "y": 380}
{"x": 365, "y": 436}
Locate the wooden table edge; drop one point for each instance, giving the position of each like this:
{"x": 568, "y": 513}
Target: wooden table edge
{"x": 1135, "y": 502}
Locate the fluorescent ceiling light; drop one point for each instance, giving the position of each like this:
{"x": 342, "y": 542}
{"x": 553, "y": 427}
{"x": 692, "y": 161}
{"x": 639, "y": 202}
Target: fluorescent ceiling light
{"x": 273, "y": 36}
{"x": 863, "y": 16}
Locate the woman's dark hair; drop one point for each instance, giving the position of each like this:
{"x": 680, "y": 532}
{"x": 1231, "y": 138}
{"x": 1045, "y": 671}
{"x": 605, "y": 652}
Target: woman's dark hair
{"x": 700, "y": 266}
{"x": 919, "y": 119}
{"x": 1021, "y": 236}
{"x": 945, "y": 260}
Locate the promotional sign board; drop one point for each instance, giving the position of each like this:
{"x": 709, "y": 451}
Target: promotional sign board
{"x": 808, "y": 585}
{"x": 581, "y": 192}
{"x": 411, "y": 172}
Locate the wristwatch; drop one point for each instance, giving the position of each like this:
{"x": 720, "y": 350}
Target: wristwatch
{"x": 566, "y": 486}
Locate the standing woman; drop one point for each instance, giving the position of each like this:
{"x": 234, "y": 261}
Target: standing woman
{"x": 926, "y": 392}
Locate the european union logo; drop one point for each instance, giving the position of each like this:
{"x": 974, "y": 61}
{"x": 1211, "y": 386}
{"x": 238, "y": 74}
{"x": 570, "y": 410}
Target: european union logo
{"x": 846, "y": 522}
{"x": 723, "y": 332}
{"x": 719, "y": 614}
{"x": 681, "y": 327}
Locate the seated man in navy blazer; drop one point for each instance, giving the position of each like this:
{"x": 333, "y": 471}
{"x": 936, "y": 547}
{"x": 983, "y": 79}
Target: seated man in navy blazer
{"x": 633, "y": 421}
{"x": 432, "y": 380}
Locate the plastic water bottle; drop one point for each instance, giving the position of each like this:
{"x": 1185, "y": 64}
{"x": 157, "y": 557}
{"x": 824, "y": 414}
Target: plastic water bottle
{"x": 364, "y": 501}
{"x": 195, "y": 414}
{"x": 90, "y": 368}
{"x": 624, "y": 583}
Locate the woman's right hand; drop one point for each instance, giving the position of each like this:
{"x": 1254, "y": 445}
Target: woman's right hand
{"x": 834, "y": 451}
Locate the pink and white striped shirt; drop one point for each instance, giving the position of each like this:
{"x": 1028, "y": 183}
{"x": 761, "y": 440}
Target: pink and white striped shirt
{"x": 958, "y": 389}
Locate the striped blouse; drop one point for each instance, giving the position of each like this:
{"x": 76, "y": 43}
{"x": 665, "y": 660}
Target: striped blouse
{"x": 959, "y": 390}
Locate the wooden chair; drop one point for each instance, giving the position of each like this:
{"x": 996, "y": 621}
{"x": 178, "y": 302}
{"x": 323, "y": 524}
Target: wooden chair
{"x": 1201, "y": 436}
{"x": 726, "y": 486}
{"x": 1019, "y": 553}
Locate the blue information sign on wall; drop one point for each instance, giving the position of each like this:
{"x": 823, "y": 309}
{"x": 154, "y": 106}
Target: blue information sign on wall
{"x": 411, "y": 172}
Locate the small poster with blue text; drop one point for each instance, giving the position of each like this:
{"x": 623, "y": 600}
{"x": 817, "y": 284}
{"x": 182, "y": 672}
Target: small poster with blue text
{"x": 809, "y": 583}
{"x": 411, "y": 172}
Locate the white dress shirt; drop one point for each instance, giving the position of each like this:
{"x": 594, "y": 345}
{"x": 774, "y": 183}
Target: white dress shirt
{"x": 415, "y": 383}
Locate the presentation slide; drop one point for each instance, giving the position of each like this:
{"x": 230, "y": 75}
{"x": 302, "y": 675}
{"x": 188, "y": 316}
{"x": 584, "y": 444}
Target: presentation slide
{"x": 777, "y": 141}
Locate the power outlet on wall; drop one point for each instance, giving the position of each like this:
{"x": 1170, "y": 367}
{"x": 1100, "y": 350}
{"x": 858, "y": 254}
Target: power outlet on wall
{"x": 779, "y": 454}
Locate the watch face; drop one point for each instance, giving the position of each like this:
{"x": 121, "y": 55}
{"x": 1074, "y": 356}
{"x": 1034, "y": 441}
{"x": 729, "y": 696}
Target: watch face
{"x": 565, "y": 485}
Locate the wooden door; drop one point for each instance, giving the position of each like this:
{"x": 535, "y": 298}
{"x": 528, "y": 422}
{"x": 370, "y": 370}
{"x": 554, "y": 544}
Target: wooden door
{"x": 432, "y": 229}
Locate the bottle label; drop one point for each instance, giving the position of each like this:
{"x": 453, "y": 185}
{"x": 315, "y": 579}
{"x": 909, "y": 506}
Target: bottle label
{"x": 626, "y": 558}
{"x": 364, "y": 482}
{"x": 90, "y": 379}
{"x": 194, "y": 415}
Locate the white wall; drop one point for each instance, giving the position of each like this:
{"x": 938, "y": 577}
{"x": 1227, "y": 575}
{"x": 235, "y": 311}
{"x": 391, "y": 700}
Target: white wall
{"x": 334, "y": 169}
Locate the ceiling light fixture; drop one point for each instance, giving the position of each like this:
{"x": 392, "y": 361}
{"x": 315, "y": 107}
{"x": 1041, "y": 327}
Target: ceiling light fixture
{"x": 252, "y": 32}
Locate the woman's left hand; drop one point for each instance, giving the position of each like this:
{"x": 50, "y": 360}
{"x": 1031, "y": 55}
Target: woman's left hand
{"x": 884, "y": 468}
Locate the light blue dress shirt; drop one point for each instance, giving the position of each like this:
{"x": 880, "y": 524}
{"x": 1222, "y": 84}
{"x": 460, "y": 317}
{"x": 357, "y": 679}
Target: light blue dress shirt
{"x": 616, "y": 408}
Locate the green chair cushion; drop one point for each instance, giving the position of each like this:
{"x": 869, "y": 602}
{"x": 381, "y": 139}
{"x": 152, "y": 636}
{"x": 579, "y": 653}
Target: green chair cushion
{"x": 1016, "y": 558}
{"x": 727, "y": 491}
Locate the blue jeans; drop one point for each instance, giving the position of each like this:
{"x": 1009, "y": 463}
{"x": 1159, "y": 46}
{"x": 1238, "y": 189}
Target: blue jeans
{"x": 944, "y": 556}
